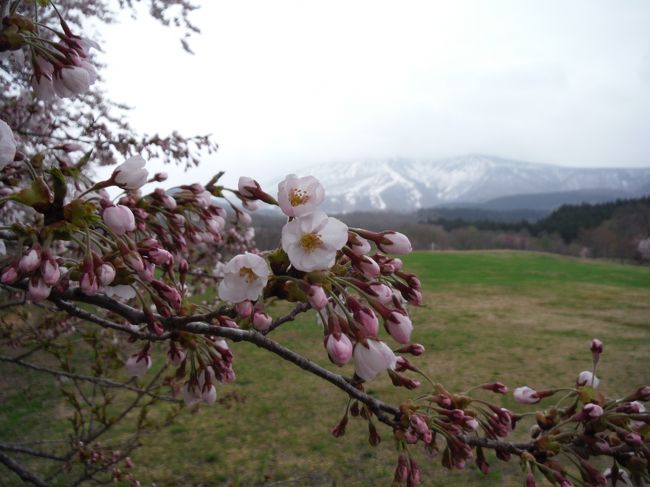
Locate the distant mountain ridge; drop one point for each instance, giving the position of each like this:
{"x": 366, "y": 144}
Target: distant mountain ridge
{"x": 409, "y": 184}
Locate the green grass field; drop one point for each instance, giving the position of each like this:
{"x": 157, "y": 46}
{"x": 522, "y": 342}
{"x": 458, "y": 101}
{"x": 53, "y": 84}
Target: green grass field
{"x": 504, "y": 316}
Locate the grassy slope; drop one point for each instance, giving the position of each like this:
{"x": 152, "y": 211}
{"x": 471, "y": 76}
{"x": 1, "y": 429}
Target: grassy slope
{"x": 489, "y": 315}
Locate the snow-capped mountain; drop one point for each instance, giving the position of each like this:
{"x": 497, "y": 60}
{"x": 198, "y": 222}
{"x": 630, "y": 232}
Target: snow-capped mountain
{"x": 408, "y": 184}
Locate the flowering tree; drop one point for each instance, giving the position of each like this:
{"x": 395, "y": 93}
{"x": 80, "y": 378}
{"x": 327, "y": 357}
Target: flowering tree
{"x": 83, "y": 272}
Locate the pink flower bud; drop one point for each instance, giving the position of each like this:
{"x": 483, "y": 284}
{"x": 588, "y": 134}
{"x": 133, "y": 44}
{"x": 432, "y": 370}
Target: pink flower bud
{"x": 592, "y": 411}
{"x": 9, "y": 275}
{"x": 248, "y": 187}
{"x": 367, "y": 266}
{"x": 244, "y": 219}
{"x": 168, "y": 293}
{"x": 244, "y": 309}
{"x": 160, "y": 177}
{"x": 161, "y": 257}
{"x": 209, "y": 395}
{"x": 50, "y": 271}
{"x": 31, "y": 260}
{"x": 7, "y": 144}
{"x": 416, "y": 349}
{"x": 586, "y": 378}
{"x": 339, "y": 349}
{"x": 596, "y": 347}
{"x": 261, "y": 321}
{"x": 496, "y": 387}
{"x": 415, "y": 474}
{"x": 176, "y": 355}
{"x": 105, "y": 274}
{"x": 364, "y": 316}
{"x": 88, "y": 283}
{"x": 418, "y": 424}
{"x": 394, "y": 243}
{"x": 530, "y": 480}
{"x": 138, "y": 364}
{"x": 401, "y": 471}
{"x": 37, "y": 289}
{"x": 381, "y": 291}
{"x": 119, "y": 219}
{"x": 134, "y": 261}
{"x": 131, "y": 174}
{"x": 372, "y": 358}
{"x": 399, "y": 325}
{"x": 526, "y": 395}
{"x": 191, "y": 393}
{"x": 317, "y": 297}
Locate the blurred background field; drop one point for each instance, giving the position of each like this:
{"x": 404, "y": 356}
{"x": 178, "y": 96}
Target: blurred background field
{"x": 504, "y": 316}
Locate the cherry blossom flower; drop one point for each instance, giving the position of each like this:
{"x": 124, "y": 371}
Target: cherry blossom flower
{"x": 31, "y": 260}
{"x": 245, "y": 276}
{"x": 38, "y": 289}
{"x": 7, "y": 144}
{"x": 526, "y": 395}
{"x": 317, "y": 297}
{"x": 138, "y": 364}
{"x": 261, "y": 321}
{"x": 119, "y": 219}
{"x": 339, "y": 349}
{"x": 372, "y": 358}
{"x": 70, "y": 81}
{"x": 300, "y": 196}
{"x": 311, "y": 241}
{"x": 394, "y": 243}
{"x": 399, "y": 326}
{"x": 585, "y": 379}
{"x": 131, "y": 174}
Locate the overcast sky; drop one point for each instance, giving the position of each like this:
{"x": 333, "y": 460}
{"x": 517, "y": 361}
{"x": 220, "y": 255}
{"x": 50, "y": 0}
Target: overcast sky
{"x": 287, "y": 84}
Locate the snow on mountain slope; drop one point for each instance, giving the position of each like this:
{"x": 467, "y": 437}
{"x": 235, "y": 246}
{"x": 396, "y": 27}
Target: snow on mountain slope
{"x": 407, "y": 184}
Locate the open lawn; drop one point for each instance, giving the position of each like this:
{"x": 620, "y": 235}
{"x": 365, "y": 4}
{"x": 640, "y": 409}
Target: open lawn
{"x": 504, "y": 316}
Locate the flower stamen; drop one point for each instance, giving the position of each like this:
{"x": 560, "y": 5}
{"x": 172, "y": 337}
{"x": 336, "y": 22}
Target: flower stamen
{"x": 248, "y": 274}
{"x": 310, "y": 242}
{"x": 298, "y": 197}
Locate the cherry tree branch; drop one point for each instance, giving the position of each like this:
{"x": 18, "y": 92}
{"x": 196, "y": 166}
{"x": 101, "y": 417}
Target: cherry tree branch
{"x": 21, "y": 471}
{"x": 88, "y": 378}
{"x": 300, "y": 308}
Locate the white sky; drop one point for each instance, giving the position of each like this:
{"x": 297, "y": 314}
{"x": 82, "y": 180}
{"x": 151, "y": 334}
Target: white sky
{"x": 286, "y": 84}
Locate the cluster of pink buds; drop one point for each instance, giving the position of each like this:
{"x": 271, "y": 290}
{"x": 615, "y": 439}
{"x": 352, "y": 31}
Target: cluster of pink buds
{"x": 200, "y": 387}
{"x": 407, "y": 472}
{"x": 39, "y": 266}
{"x": 63, "y": 68}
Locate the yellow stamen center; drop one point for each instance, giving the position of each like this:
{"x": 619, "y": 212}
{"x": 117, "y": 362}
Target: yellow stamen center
{"x": 310, "y": 242}
{"x": 298, "y": 197}
{"x": 248, "y": 274}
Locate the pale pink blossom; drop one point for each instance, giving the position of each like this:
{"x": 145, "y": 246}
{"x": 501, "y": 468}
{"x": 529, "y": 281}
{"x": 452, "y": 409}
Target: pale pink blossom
{"x": 176, "y": 356}
{"x": 244, "y": 309}
{"x": 592, "y": 411}
{"x": 37, "y": 289}
{"x": 50, "y": 271}
{"x": 317, "y": 297}
{"x": 191, "y": 394}
{"x": 119, "y": 219}
{"x": 245, "y": 277}
{"x": 9, "y": 275}
{"x": 30, "y": 261}
{"x": 131, "y": 174}
{"x": 621, "y": 480}
{"x": 247, "y": 186}
{"x": 339, "y": 349}
{"x": 372, "y": 358}
{"x": 399, "y": 326}
{"x": 261, "y": 321}
{"x": 526, "y": 395}
{"x": 382, "y": 292}
{"x": 7, "y": 144}
{"x": 70, "y": 81}
{"x": 138, "y": 364}
{"x": 585, "y": 379}
{"x": 209, "y": 395}
{"x": 311, "y": 241}
{"x": 300, "y": 196}
{"x": 394, "y": 243}
{"x": 358, "y": 244}
{"x": 88, "y": 283}
{"x": 105, "y": 274}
